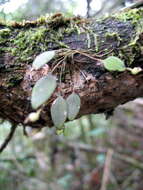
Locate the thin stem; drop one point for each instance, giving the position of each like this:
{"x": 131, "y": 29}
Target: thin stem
{"x": 8, "y": 138}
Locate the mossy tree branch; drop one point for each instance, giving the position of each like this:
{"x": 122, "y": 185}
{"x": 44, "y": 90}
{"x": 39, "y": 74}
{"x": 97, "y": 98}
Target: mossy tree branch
{"x": 100, "y": 91}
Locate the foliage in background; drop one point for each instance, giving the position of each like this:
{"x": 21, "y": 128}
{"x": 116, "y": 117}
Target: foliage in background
{"x": 3, "y": 1}
{"x": 35, "y": 8}
{"x": 45, "y": 159}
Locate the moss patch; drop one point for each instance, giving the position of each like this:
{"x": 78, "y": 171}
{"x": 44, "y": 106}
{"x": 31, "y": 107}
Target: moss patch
{"x": 133, "y": 48}
{"x": 133, "y": 15}
{"x": 25, "y": 39}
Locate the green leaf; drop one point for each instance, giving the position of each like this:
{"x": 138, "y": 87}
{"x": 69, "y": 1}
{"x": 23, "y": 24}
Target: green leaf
{"x": 59, "y": 112}
{"x": 42, "y": 90}
{"x": 113, "y": 63}
{"x": 73, "y": 103}
{"x": 42, "y": 59}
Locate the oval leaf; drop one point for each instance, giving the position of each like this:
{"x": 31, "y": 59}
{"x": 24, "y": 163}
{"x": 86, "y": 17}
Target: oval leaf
{"x": 59, "y": 112}
{"x": 42, "y": 59}
{"x": 73, "y": 103}
{"x": 42, "y": 90}
{"x": 113, "y": 63}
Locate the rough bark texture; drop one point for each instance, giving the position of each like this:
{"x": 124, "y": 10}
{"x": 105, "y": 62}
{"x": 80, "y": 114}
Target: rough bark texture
{"x": 100, "y": 91}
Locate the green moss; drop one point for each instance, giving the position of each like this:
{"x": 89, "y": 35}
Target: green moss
{"x": 133, "y": 15}
{"x": 129, "y": 51}
{"x": 113, "y": 36}
{"x": 27, "y": 38}
{"x": 28, "y": 42}
{"x": 4, "y": 35}
{"x": 13, "y": 80}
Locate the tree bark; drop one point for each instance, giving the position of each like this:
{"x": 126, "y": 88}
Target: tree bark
{"x": 100, "y": 90}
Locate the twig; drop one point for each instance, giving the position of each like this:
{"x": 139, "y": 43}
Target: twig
{"x": 72, "y": 53}
{"x": 21, "y": 159}
{"x": 107, "y": 168}
{"x": 130, "y": 160}
{"x": 87, "y": 55}
{"x": 114, "y": 181}
{"x": 90, "y": 148}
{"x": 128, "y": 179}
{"x": 8, "y": 138}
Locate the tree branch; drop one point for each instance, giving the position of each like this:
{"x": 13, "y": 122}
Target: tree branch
{"x": 100, "y": 91}
{"x": 8, "y": 138}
